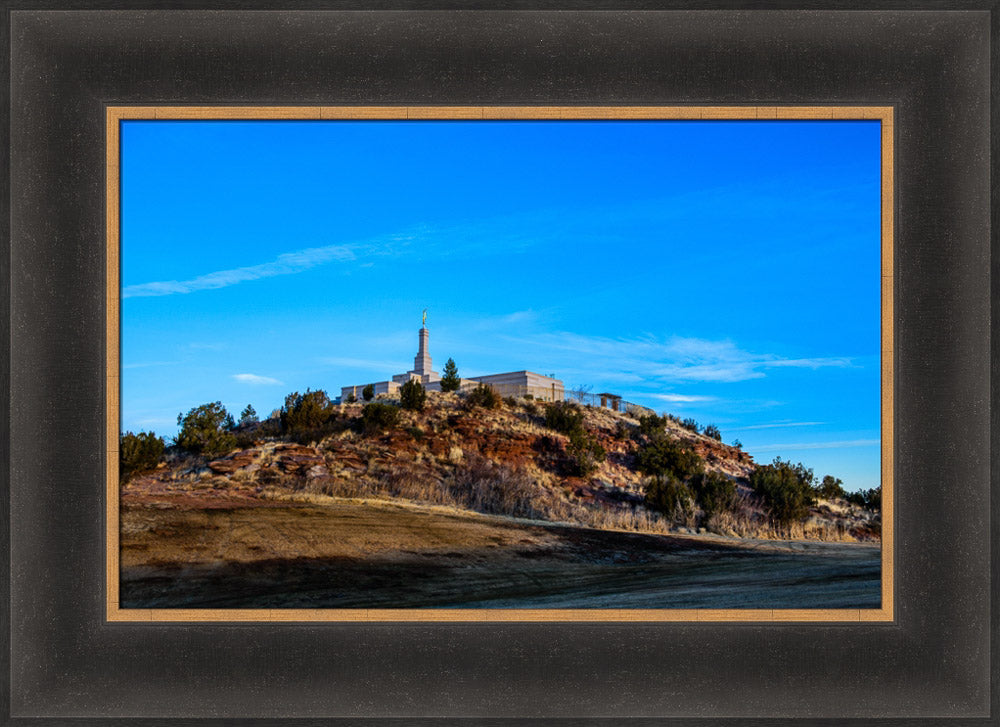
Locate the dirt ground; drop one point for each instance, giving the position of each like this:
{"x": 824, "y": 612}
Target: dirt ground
{"x": 176, "y": 552}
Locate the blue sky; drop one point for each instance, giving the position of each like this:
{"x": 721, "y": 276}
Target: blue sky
{"x": 726, "y": 271}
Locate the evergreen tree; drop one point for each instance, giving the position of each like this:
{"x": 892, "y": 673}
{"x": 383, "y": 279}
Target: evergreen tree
{"x": 412, "y": 395}
{"x": 206, "y": 430}
{"x": 138, "y": 452}
{"x": 787, "y": 489}
{"x": 831, "y": 487}
{"x": 450, "y": 381}
{"x": 368, "y": 393}
{"x": 248, "y": 416}
{"x": 306, "y": 411}
{"x": 715, "y": 492}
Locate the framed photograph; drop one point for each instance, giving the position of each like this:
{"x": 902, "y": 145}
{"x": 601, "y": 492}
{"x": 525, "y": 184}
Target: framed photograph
{"x": 558, "y": 503}
{"x": 699, "y": 420}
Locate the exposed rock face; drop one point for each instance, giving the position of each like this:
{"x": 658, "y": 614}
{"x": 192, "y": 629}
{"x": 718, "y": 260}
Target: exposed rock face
{"x": 723, "y": 458}
{"x": 297, "y": 459}
{"x": 236, "y": 461}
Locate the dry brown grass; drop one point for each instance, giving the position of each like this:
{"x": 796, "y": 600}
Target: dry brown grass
{"x": 639, "y": 520}
{"x": 489, "y": 487}
{"x": 748, "y": 522}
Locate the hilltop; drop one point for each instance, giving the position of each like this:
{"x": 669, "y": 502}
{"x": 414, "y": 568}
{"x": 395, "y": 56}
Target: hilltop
{"x": 515, "y": 458}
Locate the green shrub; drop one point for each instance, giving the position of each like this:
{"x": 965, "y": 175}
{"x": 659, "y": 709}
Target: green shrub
{"x": 786, "y": 489}
{"x": 563, "y": 417}
{"x": 585, "y": 452}
{"x": 206, "y": 429}
{"x": 690, "y": 425}
{"x": 830, "y": 488}
{"x": 651, "y": 425}
{"x": 871, "y": 499}
{"x": 713, "y": 431}
{"x": 137, "y": 453}
{"x": 669, "y": 495}
{"x": 665, "y": 456}
{"x": 412, "y": 395}
{"x": 484, "y": 396}
{"x": 450, "y": 380}
{"x": 309, "y": 411}
{"x": 583, "y": 449}
{"x": 368, "y": 393}
{"x": 351, "y": 398}
{"x": 416, "y": 432}
{"x": 715, "y": 492}
{"x": 378, "y": 416}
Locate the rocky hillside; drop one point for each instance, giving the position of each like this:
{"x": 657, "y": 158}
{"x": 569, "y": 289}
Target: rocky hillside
{"x": 508, "y": 460}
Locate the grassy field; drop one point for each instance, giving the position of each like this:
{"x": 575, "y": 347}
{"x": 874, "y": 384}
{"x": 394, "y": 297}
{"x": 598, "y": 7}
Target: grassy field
{"x": 176, "y": 552}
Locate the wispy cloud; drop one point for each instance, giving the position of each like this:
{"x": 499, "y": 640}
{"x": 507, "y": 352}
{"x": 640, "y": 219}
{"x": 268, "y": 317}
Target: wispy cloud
{"x": 507, "y": 233}
{"x": 682, "y": 398}
{"x": 817, "y": 445}
{"x": 675, "y": 359}
{"x": 471, "y": 238}
{"x": 257, "y": 380}
{"x": 808, "y": 363}
{"x": 435, "y": 242}
{"x": 779, "y": 425}
{"x": 285, "y": 264}
{"x": 215, "y": 346}
{"x": 521, "y": 316}
{"x": 147, "y": 364}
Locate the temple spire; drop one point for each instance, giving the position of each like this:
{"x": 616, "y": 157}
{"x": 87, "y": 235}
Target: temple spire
{"x": 422, "y": 361}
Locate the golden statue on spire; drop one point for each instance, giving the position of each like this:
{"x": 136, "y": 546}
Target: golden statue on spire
{"x": 424, "y": 322}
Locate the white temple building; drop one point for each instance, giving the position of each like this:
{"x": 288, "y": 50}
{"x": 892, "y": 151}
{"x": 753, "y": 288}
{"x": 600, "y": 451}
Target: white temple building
{"x": 514, "y": 383}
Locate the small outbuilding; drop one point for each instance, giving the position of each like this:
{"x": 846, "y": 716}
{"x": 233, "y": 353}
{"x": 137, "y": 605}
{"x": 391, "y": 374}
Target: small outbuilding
{"x": 611, "y": 401}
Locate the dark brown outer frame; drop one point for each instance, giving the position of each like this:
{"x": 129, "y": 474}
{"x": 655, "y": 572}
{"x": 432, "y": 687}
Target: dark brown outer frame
{"x": 67, "y": 663}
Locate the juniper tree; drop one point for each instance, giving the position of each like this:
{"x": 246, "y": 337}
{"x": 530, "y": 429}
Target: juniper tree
{"x": 412, "y": 395}
{"x": 206, "y": 429}
{"x": 310, "y": 410}
{"x": 830, "y": 487}
{"x": 138, "y": 452}
{"x": 248, "y": 416}
{"x": 786, "y": 489}
{"x": 451, "y": 380}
